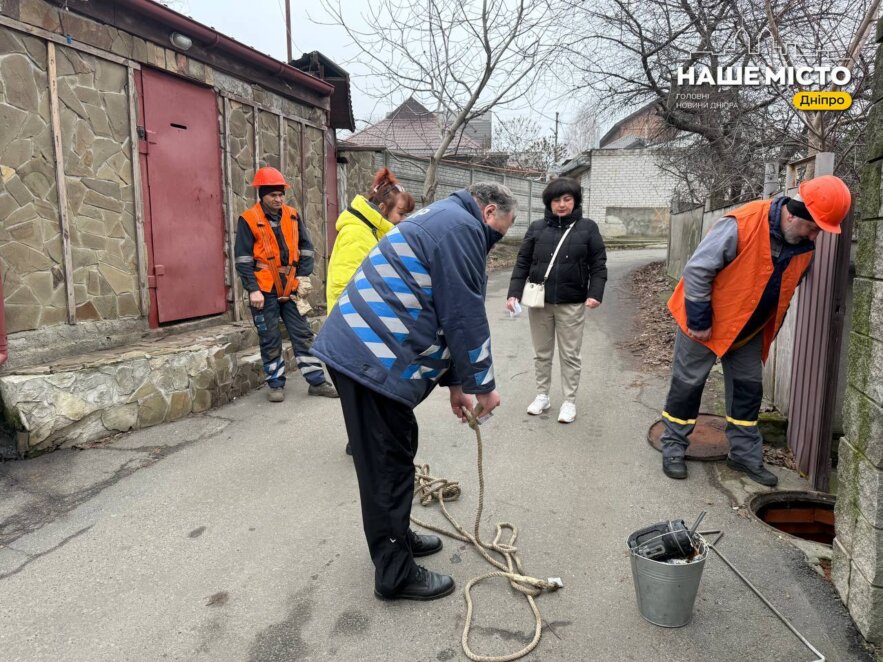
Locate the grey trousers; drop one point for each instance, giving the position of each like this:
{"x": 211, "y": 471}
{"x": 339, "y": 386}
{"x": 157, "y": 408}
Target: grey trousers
{"x": 565, "y": 322}
{"x": 743, "y": 379}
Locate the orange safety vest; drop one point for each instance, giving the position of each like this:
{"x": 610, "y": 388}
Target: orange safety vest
{"x": 268, "y": 270}
{"x": 737, "y": 288}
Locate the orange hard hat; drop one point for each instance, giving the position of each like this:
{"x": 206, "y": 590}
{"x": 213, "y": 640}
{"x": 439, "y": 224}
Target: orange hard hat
{"x": 268, "y": 176}
{"x": 827, "y": 198}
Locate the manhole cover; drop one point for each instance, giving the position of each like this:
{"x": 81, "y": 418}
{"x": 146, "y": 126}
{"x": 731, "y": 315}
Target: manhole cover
{"x": 707, "y": 443}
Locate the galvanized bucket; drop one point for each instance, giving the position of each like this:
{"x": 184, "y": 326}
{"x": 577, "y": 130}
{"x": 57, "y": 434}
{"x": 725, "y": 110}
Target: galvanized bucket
{"x": 666, "y": 591}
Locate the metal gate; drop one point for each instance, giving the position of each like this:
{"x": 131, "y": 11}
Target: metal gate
{"x": 184, "y": 214}
{"x": 818, "y": 335}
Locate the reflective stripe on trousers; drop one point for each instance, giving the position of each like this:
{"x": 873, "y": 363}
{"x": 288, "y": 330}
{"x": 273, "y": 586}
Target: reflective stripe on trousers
{"x": 743, "y": 380}
{"x": 301, "y": 336}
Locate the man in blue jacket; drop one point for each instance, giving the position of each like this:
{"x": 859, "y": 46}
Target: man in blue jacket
{"x": 413, "y": 316}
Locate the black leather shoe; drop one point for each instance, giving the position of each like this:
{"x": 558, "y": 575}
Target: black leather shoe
{"x": 423, "y": 585}
{"x": 674, "y": 467}
{"x": 759, "y": 474}
{"x": 424, "y": 545}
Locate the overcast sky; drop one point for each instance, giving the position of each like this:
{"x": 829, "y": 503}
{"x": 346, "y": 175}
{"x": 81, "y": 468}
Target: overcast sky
{"x": 261, "y": 24}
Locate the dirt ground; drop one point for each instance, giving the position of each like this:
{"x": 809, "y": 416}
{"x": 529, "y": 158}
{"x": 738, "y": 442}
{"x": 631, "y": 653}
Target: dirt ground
{"x": 503, "y": 254}
{"x": 654, "y": 335}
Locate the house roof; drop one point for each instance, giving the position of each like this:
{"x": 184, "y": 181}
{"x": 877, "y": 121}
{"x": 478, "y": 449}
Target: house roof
{"x": 577, "y": 165}
{"x": 414, "y": 129}
{"x": 323, "y": 67}
{"x": 626, "y": 142}
{"x": 612, "y": 130}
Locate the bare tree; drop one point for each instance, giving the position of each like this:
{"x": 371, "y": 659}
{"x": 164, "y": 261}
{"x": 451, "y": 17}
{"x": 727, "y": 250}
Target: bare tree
{"x": 465, "y": 56}
{"x": 728, "y": 132}
{"x": 522, "y": 138}
{"x": 581, "y": 133}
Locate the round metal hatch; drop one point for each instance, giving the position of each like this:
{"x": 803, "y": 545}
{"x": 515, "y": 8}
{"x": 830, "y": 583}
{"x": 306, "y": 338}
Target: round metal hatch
{"x": 708, "y": 442}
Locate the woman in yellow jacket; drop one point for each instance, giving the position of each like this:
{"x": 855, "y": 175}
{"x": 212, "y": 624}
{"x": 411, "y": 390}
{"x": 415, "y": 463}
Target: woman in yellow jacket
{"x": 362, "y": 224}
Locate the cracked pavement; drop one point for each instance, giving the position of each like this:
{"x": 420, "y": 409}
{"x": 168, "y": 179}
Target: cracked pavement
{"x": 236, "y": 535}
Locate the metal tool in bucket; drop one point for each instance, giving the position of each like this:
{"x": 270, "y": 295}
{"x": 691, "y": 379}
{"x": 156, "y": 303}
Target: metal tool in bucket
{"x": 667, "y": 560}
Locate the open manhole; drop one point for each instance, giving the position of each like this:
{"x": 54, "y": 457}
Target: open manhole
{"x": 806, "y": 515}
{"x": 708, "y": 441}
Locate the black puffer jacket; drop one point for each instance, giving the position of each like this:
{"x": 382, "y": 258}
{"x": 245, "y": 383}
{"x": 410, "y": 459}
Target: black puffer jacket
{"x": 580, "y": 270}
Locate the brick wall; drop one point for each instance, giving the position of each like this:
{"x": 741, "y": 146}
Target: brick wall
{"x": 626, "y": 178}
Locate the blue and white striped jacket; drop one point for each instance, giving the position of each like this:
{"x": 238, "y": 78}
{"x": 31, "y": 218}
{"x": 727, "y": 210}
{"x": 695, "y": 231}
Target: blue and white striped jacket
{"x": 414, "y": 311}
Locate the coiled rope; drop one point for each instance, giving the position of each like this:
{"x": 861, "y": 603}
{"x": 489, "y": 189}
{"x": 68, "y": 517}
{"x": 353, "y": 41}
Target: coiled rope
{"x": 430, "y": 488}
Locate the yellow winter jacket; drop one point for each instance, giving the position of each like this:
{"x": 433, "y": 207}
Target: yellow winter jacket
{"x": 355, "y": 239}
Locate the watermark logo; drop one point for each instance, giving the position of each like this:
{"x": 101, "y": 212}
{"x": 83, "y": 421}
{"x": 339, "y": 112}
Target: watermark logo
{"x": 822, "y": 100}
{"x": 785, "y": 66}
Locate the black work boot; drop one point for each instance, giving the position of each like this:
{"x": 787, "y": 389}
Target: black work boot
{"x": 424, "y": 545}
{"x": 674, "y": 467}
{"x": 759, "y": 474}
{"x": 423, "y": 584}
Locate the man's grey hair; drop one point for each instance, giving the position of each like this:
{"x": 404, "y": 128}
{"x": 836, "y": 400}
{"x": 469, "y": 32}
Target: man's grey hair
{"x": 492, "y": 193}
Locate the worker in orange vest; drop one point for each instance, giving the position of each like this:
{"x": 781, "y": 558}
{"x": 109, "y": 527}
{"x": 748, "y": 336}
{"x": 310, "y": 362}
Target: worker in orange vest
{"x": 272, "y": 249}
{"x": 730, "y": 304}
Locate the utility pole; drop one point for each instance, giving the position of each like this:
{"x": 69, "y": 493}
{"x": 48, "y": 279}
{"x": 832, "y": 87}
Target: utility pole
{"x": 288, "y": 29}
{"x": 555, "y": 155}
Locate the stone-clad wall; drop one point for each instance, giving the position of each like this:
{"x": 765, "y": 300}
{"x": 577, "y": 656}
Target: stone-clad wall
{"x": 94, "y": 110}
{"x": 240, "y": 142}
{"x": 359, "y": 174}
{"x": 81, "y": 400}
{"x": 30, "y": 237}
{"x": 314, "y": 206}
{"x": 858, "y": 547}
{"x": 269, "y": 129}
{"x": 95, "y": 128}
{"x": 292, "y": 169}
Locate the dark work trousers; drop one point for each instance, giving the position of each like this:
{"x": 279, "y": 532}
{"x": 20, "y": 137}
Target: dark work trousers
{"x": 383, "y": 437}
{"x": 267, "y": 322}
{"x": 743, "y": 381}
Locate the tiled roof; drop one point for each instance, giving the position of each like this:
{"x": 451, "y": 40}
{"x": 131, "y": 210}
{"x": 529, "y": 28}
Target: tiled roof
{"x": 412, "y": 129}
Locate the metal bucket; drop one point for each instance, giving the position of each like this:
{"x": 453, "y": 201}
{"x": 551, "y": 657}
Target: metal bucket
{"x": 666, "y": 591}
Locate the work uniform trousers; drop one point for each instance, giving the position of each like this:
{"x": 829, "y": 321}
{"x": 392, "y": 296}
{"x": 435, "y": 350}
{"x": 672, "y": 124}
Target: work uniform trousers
{"x": 743, "y": 380}
{"x": 383, "y": 437}
{"x": 266, "y": 321}
{"x": 565, "y": 322}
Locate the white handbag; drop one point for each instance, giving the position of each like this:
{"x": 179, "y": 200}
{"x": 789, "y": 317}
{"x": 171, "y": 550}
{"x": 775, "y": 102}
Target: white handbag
{"x": 534, "y": 295}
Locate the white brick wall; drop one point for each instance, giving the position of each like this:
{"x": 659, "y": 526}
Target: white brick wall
{"x": 624, "y": 178}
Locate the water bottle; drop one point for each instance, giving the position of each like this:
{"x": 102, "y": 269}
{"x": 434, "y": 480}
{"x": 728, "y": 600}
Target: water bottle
{"x": 260, "y": 323}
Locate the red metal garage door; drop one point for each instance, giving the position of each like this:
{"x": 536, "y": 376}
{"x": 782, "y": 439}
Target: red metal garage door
{"x": 184, "y": 196}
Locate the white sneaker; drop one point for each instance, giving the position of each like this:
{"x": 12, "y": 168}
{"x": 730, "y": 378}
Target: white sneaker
{"x": 539, "y": 405}
{"x": 567, "y": 413}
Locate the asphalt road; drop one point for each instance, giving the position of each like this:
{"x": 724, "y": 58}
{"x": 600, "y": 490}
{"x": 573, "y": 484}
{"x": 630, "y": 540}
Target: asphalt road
{"x": 236, "y": 535}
